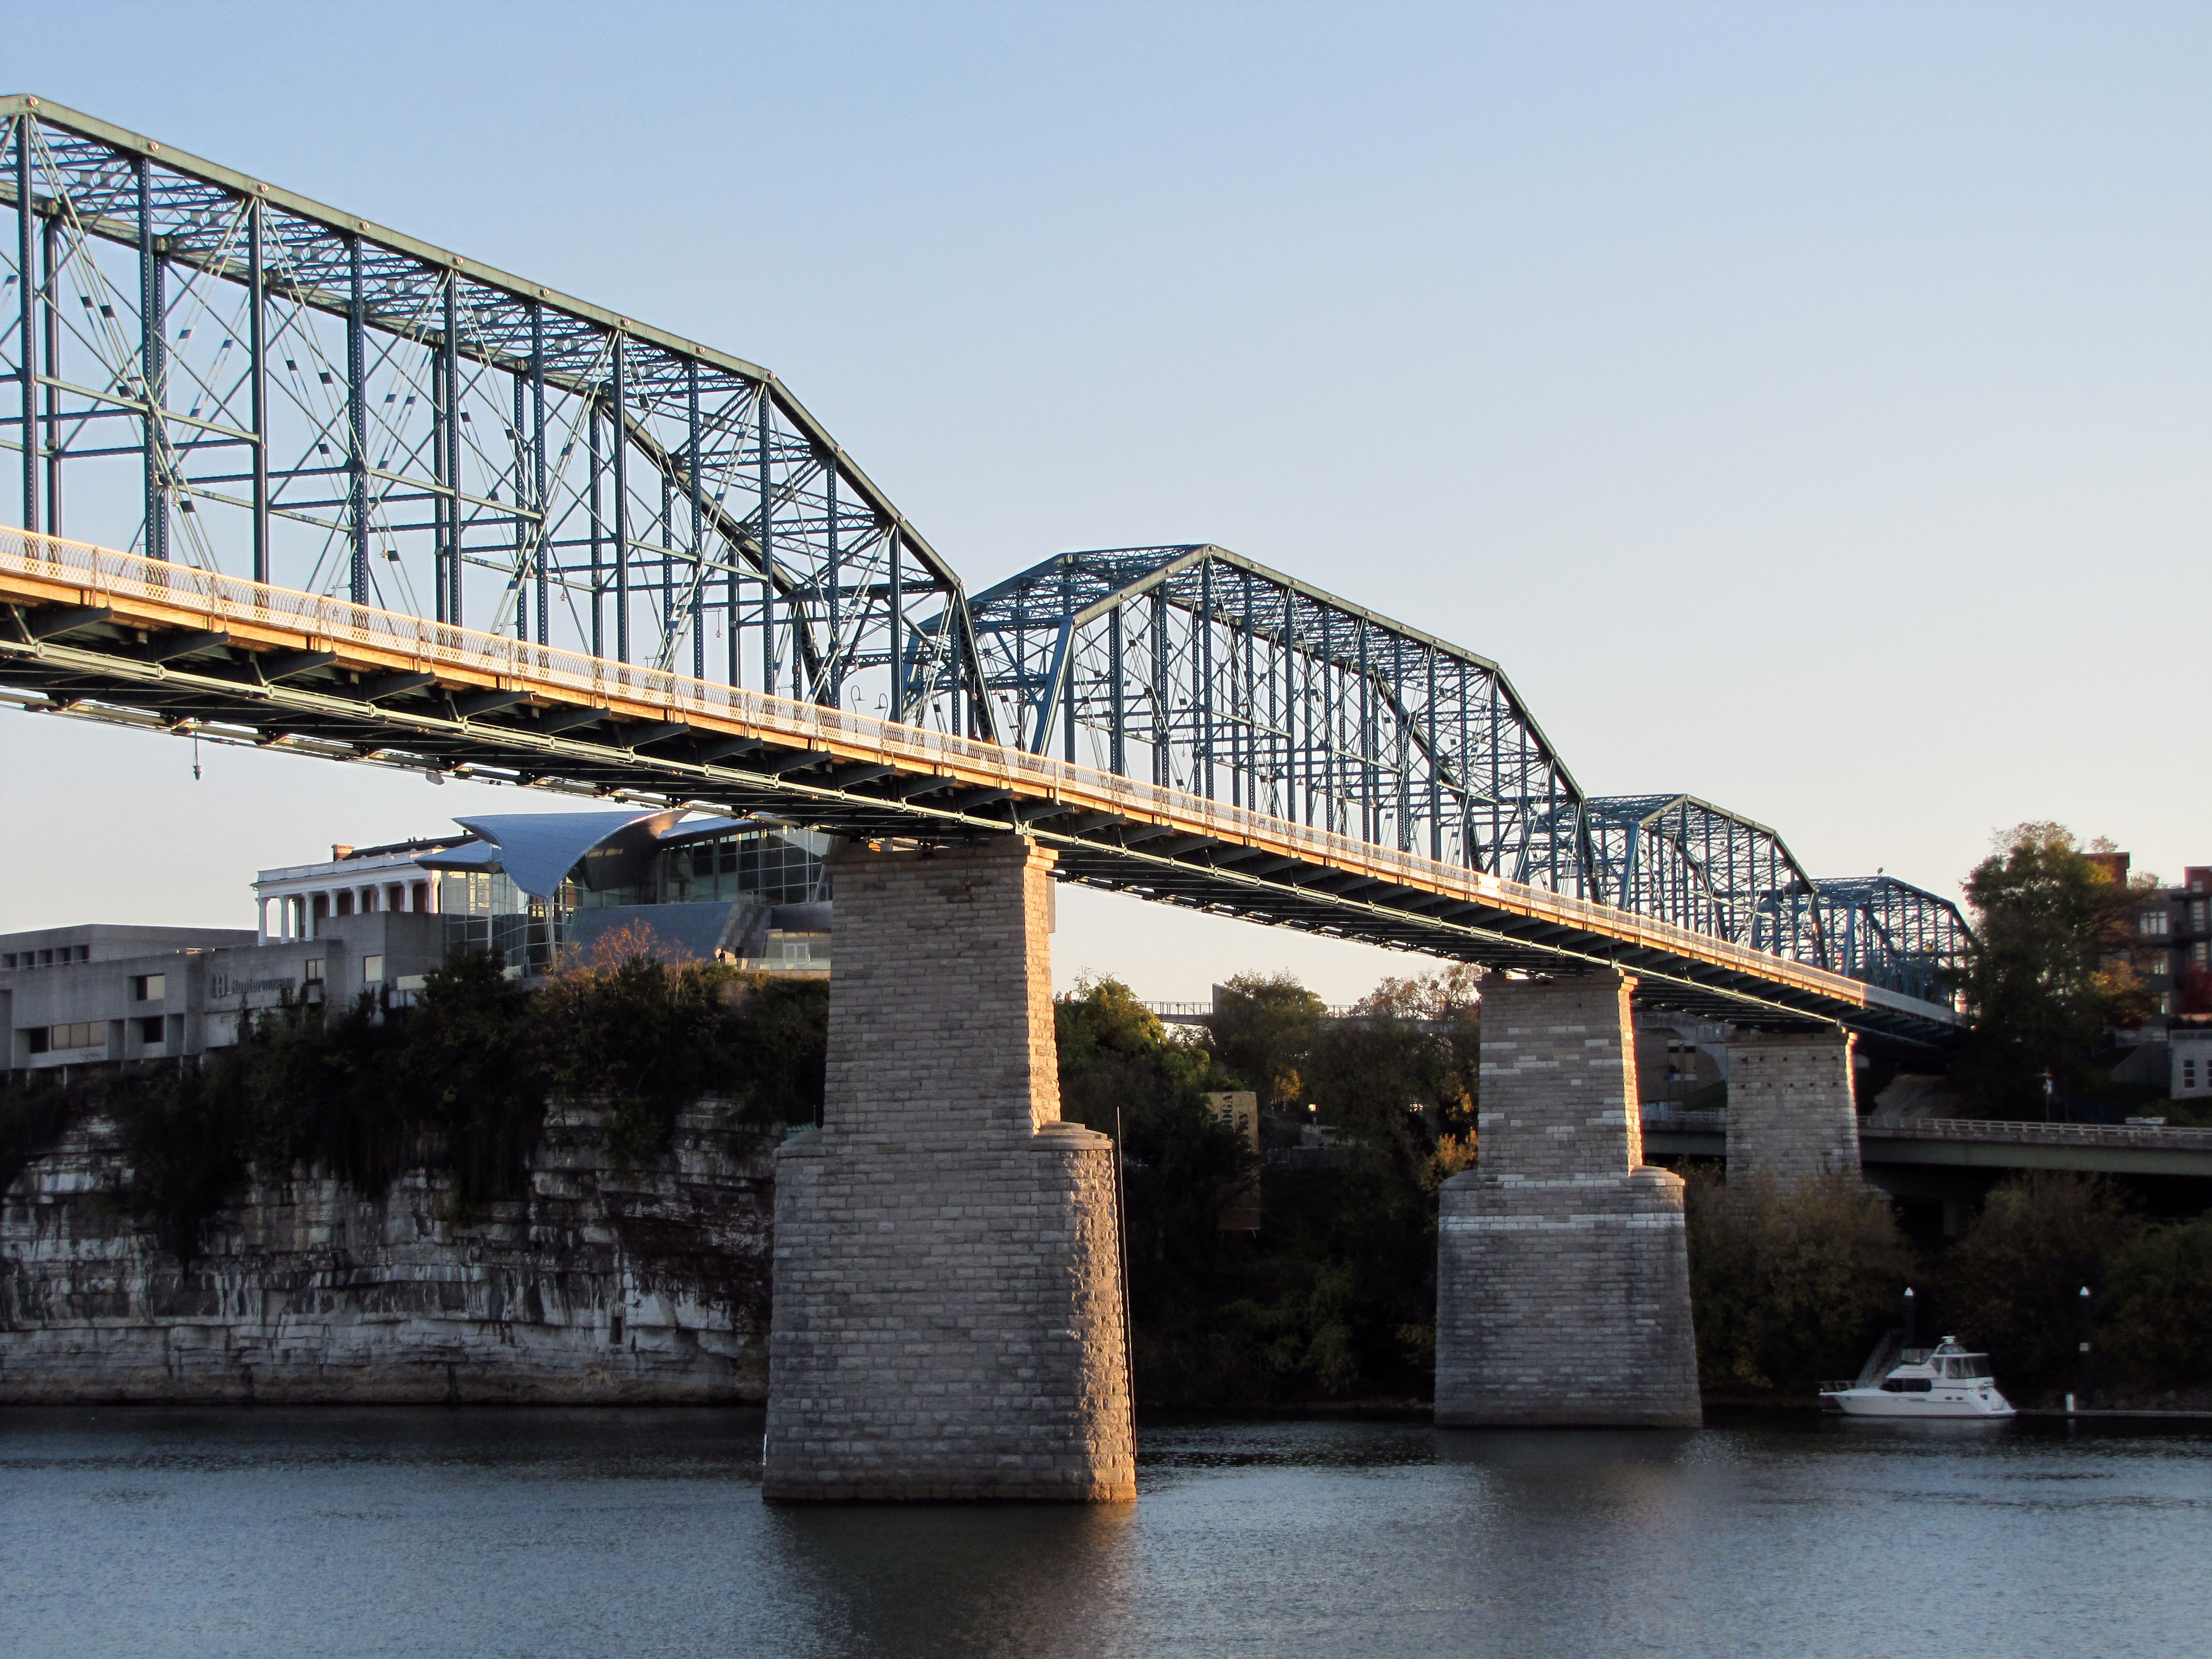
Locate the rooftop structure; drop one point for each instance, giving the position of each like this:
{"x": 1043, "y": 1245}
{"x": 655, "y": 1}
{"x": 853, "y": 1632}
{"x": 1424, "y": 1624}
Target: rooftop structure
{"x": 373, "y": 921}
{"x": 525, "y": 884}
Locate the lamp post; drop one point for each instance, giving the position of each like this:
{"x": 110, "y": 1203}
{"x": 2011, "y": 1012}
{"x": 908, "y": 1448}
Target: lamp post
{"x": 2083, "y": 1361}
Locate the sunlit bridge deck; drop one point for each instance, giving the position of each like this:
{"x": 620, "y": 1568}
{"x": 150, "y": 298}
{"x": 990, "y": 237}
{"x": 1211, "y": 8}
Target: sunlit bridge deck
{"x": 97, "y": 634}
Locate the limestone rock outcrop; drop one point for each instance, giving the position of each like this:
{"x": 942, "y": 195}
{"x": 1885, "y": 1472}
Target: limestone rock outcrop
{"x": 601, "y": 1286}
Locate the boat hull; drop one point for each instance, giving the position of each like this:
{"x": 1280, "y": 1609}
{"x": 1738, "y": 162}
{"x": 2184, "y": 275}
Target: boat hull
{"x": 1986, "y": 1406}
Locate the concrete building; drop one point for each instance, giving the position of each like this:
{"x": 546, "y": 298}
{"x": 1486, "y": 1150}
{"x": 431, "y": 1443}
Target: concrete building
{"x": 373, "y": 921}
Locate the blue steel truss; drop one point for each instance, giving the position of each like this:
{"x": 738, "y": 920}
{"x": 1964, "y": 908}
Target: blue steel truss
{"x": 208, "y": 368}
{"x": 1684, "y": 860}
{"x": 1197, "y": 668}
{"x": 204, "y": 367}
{"x": 1888, "y": 932}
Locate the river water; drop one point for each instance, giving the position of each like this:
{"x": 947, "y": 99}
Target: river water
{"x": 546, "y": 1534}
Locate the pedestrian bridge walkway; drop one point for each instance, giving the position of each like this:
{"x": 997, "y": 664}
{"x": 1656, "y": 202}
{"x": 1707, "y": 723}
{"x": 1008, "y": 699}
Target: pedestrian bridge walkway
{"x": 94, "y": 631}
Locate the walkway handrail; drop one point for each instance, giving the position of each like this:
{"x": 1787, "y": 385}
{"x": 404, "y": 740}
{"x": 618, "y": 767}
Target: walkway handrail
{"x": 178, "y": 595}
{"x": 2055, "y": 1134}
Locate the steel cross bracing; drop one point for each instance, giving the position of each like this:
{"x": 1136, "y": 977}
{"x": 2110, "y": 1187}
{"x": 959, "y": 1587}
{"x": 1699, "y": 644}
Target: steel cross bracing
{"x": 1890, "y": 933}
{"x": 1703, "y": 867}
{"x": 221, "y": 372}
{"x": 1198, "y": 668}
{"x": 374, "y": 502}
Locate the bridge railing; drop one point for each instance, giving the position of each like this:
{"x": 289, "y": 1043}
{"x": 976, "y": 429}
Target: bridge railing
{"x": 1702, "y": 1120}
{"x": 2051, "y": 1134}
{"x": 207, "y": 598}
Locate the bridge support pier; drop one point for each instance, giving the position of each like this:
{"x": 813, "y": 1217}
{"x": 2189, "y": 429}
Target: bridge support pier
{"x": 1790, "y": 1108}
{"x": 1563, "y": 1277}
{"x": 948, "y": 1318}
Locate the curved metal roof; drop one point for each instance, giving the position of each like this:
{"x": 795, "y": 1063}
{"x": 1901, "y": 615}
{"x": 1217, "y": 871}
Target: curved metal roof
{"x": 539, "y": 849}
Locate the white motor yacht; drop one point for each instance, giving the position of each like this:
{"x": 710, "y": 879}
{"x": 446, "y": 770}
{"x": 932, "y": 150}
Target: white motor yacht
{"x": 1944, "y": 1380}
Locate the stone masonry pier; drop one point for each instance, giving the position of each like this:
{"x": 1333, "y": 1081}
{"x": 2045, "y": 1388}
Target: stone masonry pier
{"x": 1790, "y": 1110}
{"x": 1562, "y": 1286}
{"x": 948, "y": 1300}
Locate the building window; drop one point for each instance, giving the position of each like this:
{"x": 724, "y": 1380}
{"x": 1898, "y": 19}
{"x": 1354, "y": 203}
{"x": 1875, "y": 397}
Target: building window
{"x": 36, "y": 1036}
{"x": 6, "y": 960}
{"x": 372, "y": 970}
{"x": 312, "y": 973}
{"x": 80, "y": 1034}
{"x": 2151, "y": 923}
{"x": 148, "y": 988}
{"x": 149, "y": 1031}
{"x": 84, "y": 953}
{"x": 2200, "y": 916}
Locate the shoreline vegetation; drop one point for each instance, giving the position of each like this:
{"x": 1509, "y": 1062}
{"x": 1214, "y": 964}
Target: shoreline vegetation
{"x": 1362, "y": 1119}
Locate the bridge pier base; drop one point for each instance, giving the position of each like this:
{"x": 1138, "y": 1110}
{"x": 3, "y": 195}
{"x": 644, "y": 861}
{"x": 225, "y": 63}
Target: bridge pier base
{"x": 948, "y": 1315}
{"x": 1563, "y": 1277}
{"x": 1790, "y": 1108}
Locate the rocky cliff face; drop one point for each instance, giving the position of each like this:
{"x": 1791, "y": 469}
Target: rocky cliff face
{"x": 602, "y": 1287}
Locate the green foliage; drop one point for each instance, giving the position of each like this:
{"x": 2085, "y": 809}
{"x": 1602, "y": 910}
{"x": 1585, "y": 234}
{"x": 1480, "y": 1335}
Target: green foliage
{"x": 2155, "y": 1317}
{"x": 1336, "y": 1295}
{"x": 2044, "y": 975}
{"x": 2013, "y": 1281}
{"x": 649, "y": 1038}
{"x": 1183, "y": 1169}
{"x": 457, "y": 1083}
{"x": 1263, "y": 1029}
{"x": 1405, "y": 1070}
{"x": 1789, "y": 1289}
{"x": 187, "y": 1134}
{"x": 33, "y": 1117}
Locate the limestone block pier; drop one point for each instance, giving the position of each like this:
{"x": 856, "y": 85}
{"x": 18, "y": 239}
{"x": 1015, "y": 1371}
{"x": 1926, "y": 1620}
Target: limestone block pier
{"x": 1562, "y": 1278}
{"x": 1791, "y": 1109}
{"x": 948, "y": 1301}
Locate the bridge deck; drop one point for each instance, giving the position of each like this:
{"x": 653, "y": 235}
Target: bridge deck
{"x": 1970, "y": 1143}
{"x": 112, "y": 636}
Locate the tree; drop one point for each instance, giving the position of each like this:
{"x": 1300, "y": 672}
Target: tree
{"x": 2014, "y": 1281}
{"x": 2155, "y": 1318}
{"x": 1263, "y": 1029}
{"x": 1120, "y": 1069}
{"x": 1789, "y": 1288}
{"x": 2046, "y": 969}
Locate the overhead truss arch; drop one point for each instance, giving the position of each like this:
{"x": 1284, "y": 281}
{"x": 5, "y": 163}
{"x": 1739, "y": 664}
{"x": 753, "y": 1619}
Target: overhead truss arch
{"x": 198, "y": 369}
{"x": 1197, "y": 668}
{"x": 315, "y": 400}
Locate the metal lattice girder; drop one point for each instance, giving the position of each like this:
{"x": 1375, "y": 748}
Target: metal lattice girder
{"x": 211, "y": 369}
{"x": 514, "y": 531}
{"x": 1681, "y": 859}
{"x": 1888, "y": 932}
{"x": 1201, "y": 670}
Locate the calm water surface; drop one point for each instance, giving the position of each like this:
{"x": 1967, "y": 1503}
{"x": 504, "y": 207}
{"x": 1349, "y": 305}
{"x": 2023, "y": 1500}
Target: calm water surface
{"x": 548, "y": 1534}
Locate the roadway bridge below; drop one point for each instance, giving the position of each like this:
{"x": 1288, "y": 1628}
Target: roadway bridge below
{"x": 1967, "y": 1143}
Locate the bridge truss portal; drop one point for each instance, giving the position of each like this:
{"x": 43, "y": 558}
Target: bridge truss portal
{"x": 366, "y": 499}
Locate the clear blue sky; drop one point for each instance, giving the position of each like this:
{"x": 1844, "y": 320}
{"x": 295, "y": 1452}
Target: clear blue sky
{"x": 1808, "y": 405}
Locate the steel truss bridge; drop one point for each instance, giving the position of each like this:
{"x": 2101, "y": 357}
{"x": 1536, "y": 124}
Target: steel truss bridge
{"x": 333, "y": 490}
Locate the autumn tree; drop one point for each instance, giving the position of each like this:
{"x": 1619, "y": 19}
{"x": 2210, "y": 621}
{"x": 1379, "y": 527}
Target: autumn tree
{"x": 2047, "y": 968}
{"x": 1263, "y": 1031}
